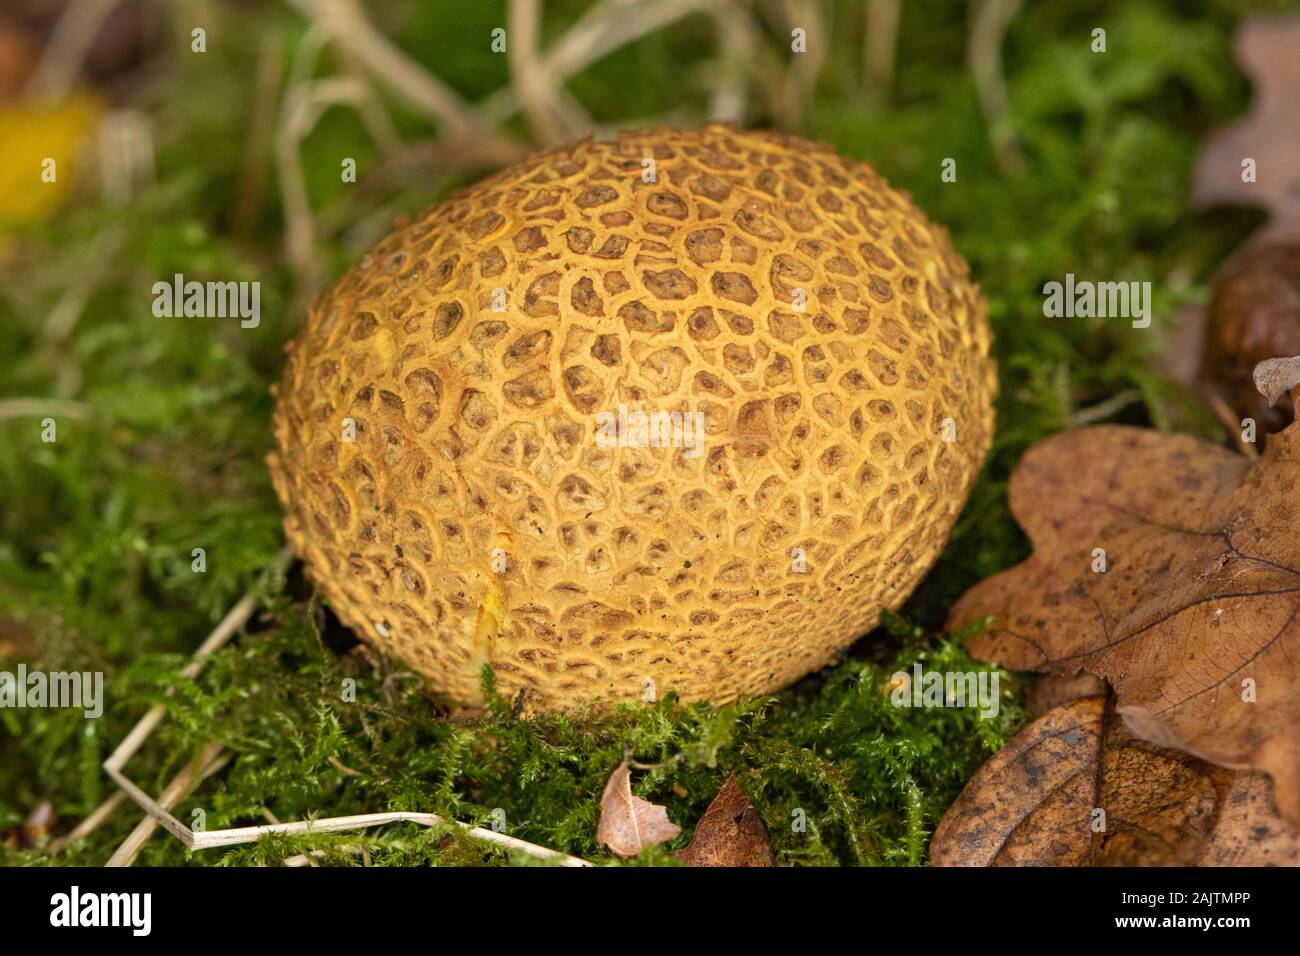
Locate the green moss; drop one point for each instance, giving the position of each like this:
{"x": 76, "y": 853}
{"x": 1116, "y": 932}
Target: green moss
{"x": 869, "y": 779}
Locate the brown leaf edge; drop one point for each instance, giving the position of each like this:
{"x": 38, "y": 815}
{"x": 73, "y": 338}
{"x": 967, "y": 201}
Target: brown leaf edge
{"x": 1275, "y": 377}
{"x": 731, "y": 833}
{"x": 990, "y": 597}
{"x": 1037, "y": 803}
{"x": 629, "y": 824}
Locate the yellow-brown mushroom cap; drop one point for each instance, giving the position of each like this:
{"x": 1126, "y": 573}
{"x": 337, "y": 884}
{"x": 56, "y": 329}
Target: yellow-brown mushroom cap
{"x": 443, "y": 435}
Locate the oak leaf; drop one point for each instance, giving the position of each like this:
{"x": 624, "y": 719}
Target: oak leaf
{"x": 1052, "y": 690}
{"x": 1275, "y": 377}
{"x": 1169, "y": 567}
{"x": 1074, "y": 788}
{"x": 629, "y": 824}
{"x": 731, "y": 833}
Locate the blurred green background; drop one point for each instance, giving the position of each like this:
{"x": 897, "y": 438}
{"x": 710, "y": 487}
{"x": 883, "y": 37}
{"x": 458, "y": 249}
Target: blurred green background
{"x": 225, "y": 164}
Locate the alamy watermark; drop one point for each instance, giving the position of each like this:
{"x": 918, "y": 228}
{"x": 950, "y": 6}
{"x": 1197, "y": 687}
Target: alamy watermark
{"x": 1101, "y": 300}
{"x": 133, "y": 911}
{"x": 209, "y": 300}
{"x": 637, "y": 429}
{"x": 923, "y": 688}
{"x": 76, "y": 690}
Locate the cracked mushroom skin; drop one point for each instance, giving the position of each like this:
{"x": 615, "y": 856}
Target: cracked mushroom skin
{"x": 449, "y": 475}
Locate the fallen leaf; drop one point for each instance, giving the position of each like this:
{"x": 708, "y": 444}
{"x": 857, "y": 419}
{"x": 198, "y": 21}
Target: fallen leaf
{"x": 36, "y": 828}
{"x": 1029, "y": 804}
{"x": 1249, "y": 831}
{"x": 1275, "y": 377}
{"x": 29, "y": 135}
{"x": 731, "y": 833}
{"x": 1269, "y": 134}
{"x": 16, "y": 641}
{"x": 1074, "y": 788}
{"x": 629, "y": 824}
{"x": 18, "y": 57}
{"x": 1052, "y": 690}
{"x": 1254, "y": 315}
{"x": 1194, "y": 616}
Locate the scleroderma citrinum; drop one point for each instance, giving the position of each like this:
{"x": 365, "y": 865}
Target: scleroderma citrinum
{"x": 466, "y": 475}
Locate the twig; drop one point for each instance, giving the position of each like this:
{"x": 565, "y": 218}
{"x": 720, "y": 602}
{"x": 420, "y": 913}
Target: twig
{"x": 984, "y": 57}
{"x": 371, "y": 108}
{"x": 303, "y": 106}
{"x": 343, "y": 768}
{"x": 761, "y": 64}
{"x": 89, "y": 825}
{"x": 257, "y": 148}
{"x": 235, "y": 618}
{"x": 63, "y": 317}
{"x": 1228, "y": 419}
{"x": 611, "y": 25}
{"x": 600, "y": 31}
{"x": 532, "y": 87}
{"x": 309, "y": 858}
{"x": 61, "y": 62}
{"x": 208, "y": 762}
{"x": 1104, "y": 409}
{"x": 736, "y": 46}
{"x": 22, "y": 407}
{"x": 211, "y": 839}
{"x": 305, "y": 100}
{"x": 126, "y": 154}
{"x": 221, "y": 838}
{"x": 801, "y": 77}
{"x": 880, "y": 47}
{"x": 292, "y": 126}
{"x": 347, "y": 24}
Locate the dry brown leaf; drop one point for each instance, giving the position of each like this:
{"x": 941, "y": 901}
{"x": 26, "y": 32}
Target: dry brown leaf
{"x": 731, "y": 833}
{"x": 629, "y": 824}
{"x": 1253, "y": 316}
{"x": 34, "y": 831}
{"x": 1029, "y": 804}
{"x": 1269, "y": 134}
{"x": 1275, "y": 377}
{"x": 1195, "y": 621}
{"x": 1052, "y": 690}
{"x": 1249, "y": 831}
{"x": 18, "y": 57}
{"x": 16, "y": 641}
{"x": 1076, "y": 789}
{"x": 36, "y": 827}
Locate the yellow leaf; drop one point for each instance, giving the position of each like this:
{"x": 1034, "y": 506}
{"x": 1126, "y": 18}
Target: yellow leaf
{"x": 31, "y": 134}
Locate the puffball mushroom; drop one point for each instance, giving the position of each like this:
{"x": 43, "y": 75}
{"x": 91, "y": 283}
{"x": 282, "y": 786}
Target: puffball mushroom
{"x": 486, "y": 436}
